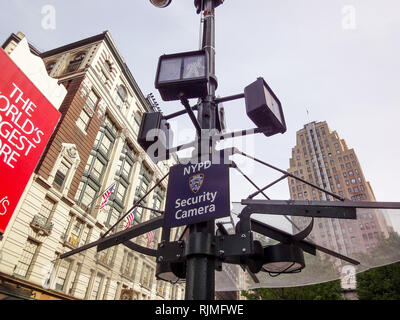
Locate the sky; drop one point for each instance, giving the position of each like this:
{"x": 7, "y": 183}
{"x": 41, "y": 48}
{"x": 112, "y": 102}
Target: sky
{"x": 338, "y": 59}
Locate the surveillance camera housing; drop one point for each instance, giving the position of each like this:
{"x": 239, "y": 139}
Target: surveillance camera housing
{"x": 264, "y": 108}
{"x": 184, "y": 74}
{"x": 160, "y": 3}
{"x": 154, "y": 121}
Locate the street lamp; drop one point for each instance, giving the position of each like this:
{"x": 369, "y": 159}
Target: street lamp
{"x": 160, "y": 3}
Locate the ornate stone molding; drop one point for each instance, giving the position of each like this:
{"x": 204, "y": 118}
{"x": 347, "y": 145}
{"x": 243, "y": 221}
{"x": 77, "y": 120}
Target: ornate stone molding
{"x": 101, "y": 109}
{"x": 86, "y": 87}
{"x": 70, "y": 151}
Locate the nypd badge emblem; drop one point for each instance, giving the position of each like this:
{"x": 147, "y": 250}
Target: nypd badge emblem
{"x": 195, "y": 182}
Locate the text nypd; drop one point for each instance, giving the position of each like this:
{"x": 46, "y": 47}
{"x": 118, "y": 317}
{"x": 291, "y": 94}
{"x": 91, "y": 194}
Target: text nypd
{"x": 197, "y": 205}
{"x": 18, "y": 134}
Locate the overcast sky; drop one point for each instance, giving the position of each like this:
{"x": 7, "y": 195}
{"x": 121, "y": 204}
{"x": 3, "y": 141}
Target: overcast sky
{"x": 313, "y": 54}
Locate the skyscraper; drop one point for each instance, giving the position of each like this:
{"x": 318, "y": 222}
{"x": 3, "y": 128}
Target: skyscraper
{"x": 324, "y": 159}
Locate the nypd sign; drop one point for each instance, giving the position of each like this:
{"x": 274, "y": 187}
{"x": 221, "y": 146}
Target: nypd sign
{"x": 196, "y": 193}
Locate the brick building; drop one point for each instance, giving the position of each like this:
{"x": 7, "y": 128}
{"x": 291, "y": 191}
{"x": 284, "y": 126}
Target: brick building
{"x": 93, "y": 146}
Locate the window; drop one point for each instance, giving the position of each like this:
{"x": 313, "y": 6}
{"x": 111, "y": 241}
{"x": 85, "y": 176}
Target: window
{"x": 122, "y": 93}
{"x": 47, "y": 208}
{"x": 61, "y": 174}
{"x": 85, "y": 236}
{"x": 27, "y": 258}
{"x": 107, "y": 257}
{"x": 62, "y": 274}
{"x": 83, "y": 120}
{"x": 106, "y": 70}
{"x": 128, "y": 263}
{"x": 144, "y": 182}
{"x": 97, "y": 287}
{"x": 122, "y": 96}
{"x": 87, "y": 111}
{"x": 161, "y": 288}
{"x": 146, "y": 277}
{"x": 75, "y": 273}
{"x": 88, "y": 194}
{"x": 97, "y": 163}
{"x": 107, "y": 67}
{"x": 137, "y": 121}
{"x": 123, "y": 180}
{"x": 103, "y": 76}
{"x": 75, "y": 234}
{"x": 158, "y": 199}
{"x": 76, "y": 62}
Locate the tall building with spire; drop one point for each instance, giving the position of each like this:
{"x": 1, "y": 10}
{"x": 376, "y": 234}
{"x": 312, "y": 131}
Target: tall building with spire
{"x": 324, "y": 159}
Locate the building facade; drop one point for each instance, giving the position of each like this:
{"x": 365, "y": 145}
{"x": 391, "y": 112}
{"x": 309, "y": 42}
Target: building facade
{"x": 93, "y": 146}
{"x": 324, "y": 159}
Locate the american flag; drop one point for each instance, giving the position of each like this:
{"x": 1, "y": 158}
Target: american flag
{"x": 106, "y": 195}
{"x": 129, "y": 219}
{"x": 150, "y": 238}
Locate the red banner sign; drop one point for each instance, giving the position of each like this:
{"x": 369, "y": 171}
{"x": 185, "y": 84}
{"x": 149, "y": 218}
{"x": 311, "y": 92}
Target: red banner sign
{"x": 27, "y": 121}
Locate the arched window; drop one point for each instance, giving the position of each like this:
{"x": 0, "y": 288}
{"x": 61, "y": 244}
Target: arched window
{"x": 105, "y": 71}
{"x": 122, "y": 93}
{"x": 76, "y": 62}
{"x": 107, "y": 66}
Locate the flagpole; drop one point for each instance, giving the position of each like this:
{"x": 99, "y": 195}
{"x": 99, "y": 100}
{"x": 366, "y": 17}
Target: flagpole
{"x": 134, "y": 205}
{"x": 308, "y": 115}
{"x": 86, "y": 207}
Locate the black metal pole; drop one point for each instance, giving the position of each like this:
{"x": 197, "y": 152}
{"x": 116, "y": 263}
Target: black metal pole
{"x": 200, "y": 268}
